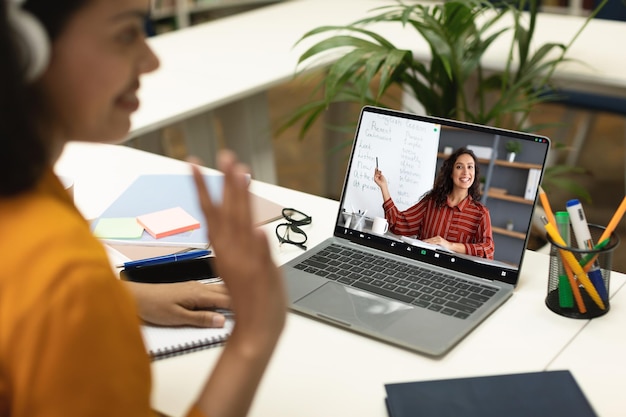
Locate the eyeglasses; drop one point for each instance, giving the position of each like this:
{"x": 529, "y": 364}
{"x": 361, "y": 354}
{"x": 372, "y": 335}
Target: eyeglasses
{"x": 290, "y": 231}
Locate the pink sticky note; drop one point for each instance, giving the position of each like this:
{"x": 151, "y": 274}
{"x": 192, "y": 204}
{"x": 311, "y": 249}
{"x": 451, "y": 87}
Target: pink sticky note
{"x": 168, "y": 222}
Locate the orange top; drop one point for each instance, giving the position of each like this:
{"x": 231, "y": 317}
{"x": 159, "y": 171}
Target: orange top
{"x": 69, "y": 332}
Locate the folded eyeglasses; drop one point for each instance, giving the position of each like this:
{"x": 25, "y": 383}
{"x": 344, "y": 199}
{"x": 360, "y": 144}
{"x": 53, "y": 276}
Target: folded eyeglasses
{"x": 290, "y": 231}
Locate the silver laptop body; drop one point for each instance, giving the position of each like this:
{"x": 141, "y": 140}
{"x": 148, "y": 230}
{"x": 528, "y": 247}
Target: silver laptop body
{"x": 362, "y": 297}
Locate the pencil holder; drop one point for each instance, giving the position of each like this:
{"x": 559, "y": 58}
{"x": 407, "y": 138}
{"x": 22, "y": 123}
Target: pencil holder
{"x": 581, "y": 295}
{"x": 358, "y": 221}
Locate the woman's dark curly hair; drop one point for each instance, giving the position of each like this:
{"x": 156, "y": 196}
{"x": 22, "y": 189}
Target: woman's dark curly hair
{"x": 443, "y": 183}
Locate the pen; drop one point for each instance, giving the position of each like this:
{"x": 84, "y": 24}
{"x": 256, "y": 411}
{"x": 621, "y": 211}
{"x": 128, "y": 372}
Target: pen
{"x": 167, "y": 258}
{"x": 376, "y": 162}
{"x": 579, "y": 224}
{"x": 583, "y": 238}
{"x": 574, "y": 265}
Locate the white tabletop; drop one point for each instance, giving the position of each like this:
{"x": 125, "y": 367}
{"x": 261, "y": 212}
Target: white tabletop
{"x": 597, "y": 359}
{"x": 320, "y": 370}
{"x": 212, "y": 64}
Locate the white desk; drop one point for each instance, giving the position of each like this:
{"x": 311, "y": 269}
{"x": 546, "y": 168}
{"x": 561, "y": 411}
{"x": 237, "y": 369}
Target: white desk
{"x": 320, "y": 370}
{"x": 224, "y": 68}
{"x": 597, "y": 359}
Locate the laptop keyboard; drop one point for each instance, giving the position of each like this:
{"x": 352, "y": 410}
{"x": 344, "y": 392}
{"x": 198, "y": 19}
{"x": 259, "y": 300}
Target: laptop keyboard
{"x": 436, "y": 291}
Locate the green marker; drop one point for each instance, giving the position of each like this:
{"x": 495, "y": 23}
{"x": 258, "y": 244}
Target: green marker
{"x": 566, "y": 297}
{"x": 585, "y": 259}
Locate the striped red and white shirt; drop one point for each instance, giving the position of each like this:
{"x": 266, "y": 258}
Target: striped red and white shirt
{"x": 468, "y": 223}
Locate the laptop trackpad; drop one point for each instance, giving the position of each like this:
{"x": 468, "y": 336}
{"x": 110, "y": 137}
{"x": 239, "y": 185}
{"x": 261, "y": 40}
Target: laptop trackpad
{"x": 354, "y": 307}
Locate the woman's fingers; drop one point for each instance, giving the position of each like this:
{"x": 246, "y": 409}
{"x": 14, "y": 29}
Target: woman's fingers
{"x": 230, "y": 221}
{"x": 204, "y": 198}
{"x": 201, "y": 318}
{"x": 236, "y": 199}
{"x": 244, "y": 261}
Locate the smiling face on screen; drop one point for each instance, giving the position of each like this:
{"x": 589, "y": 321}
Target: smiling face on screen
{"x": 463, "y": 172}
{"x": 89, "y": 90}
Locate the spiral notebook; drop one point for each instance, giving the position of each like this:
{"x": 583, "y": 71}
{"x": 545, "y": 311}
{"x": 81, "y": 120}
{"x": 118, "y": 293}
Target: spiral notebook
{"x": 164, "y": 342}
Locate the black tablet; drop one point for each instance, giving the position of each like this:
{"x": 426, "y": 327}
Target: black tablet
{"x": 179, "y": 271}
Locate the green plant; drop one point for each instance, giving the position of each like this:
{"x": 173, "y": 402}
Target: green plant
{"x": 453, "y": 83}
{"x": 513, "y": 146}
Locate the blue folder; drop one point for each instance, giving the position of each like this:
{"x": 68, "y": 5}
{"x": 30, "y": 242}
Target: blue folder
{"x": 533, "y": 394}
{"x": 150, "y": 193}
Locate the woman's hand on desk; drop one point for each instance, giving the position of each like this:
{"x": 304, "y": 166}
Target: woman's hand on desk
{"x": 181, "y": 303}
{"x": 452, "y": 246}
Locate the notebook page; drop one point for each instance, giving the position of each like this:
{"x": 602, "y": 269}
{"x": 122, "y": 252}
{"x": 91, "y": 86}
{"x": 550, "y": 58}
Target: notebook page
{"x": 161, "y": 341}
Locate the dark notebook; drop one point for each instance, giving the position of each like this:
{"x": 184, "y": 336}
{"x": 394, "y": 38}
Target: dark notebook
{"x": 536, "y": 394}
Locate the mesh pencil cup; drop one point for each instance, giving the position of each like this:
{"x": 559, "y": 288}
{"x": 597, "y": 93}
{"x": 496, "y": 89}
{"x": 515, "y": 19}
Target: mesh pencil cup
{"x": 581, "y": 300}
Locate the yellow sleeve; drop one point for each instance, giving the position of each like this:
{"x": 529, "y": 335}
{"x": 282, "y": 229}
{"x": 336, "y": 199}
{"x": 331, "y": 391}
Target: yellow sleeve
{"x": 194, "y": 412}
{"x": 70, "y": 343}
{"x": 80, "y": 352}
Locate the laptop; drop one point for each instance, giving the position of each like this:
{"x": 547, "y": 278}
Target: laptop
{"x": 399, "y": 289}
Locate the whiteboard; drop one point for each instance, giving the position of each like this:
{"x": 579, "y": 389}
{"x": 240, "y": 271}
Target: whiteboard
{"x": 406, "y": 152}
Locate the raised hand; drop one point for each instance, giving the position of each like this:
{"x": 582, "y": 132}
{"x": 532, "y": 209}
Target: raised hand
{"x": 255, "y": 284}
{"x": 381, "y": 181}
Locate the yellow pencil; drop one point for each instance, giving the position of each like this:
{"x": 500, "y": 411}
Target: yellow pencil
{"x": 546, "y": 206}
{"x": 619, "y": 213}
{"x": 545, "y": 203}
{"x": 574, "y": 265}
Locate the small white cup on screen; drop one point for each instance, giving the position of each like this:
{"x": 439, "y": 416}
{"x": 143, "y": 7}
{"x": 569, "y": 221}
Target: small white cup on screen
{"x": 380, "y": 225}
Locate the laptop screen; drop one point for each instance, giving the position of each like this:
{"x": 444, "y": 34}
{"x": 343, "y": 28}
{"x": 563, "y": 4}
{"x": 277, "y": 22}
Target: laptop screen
{"x": 410, "y": 150}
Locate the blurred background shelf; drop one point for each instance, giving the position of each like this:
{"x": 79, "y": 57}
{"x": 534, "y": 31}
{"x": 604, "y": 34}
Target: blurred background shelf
{"x": 175, "y": 14}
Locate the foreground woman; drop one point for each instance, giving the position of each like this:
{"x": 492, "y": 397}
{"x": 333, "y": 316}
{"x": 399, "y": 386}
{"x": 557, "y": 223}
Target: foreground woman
{"x": 69, "y": 330}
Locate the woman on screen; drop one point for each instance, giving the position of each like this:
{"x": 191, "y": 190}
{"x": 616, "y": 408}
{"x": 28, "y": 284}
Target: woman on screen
{"x": 449, "y": 215}
{"x": 70, "y": 342}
